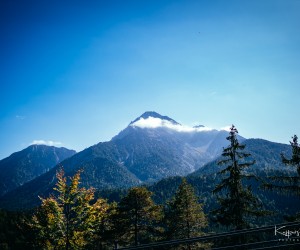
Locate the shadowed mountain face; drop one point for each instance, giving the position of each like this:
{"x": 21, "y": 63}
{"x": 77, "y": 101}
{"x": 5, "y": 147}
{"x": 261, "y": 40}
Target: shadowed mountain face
{"x": 151, "y": 148}
{"x": 28, "y": 164}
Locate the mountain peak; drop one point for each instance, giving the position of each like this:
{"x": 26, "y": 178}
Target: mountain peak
{"x": 154, "y": 114}
{"x": 29, "y": 163}
{"x": 199, "y": 126}
{"x": 152, "y": 120}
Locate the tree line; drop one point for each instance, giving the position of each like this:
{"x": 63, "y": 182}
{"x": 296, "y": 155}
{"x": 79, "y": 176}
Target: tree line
{"x": 75, "y": 219}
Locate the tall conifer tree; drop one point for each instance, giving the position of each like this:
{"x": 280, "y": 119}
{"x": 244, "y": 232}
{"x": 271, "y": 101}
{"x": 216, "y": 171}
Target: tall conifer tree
{"x": 184, "y": 215}
{"x": 289, "y": 184}
{"x": 295, "y": 159}
{"x": 137, "y": 217}
{"x": 237, "y": 204}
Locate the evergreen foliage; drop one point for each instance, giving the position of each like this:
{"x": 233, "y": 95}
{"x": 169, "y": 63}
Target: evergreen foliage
{"x": 14, "y": 231}
{"x": 184, "y": 215}
{"x": 289, "y": 184}
{"x": 14, "y": 234}
{"x": 137, "y": 217}
{"x": 74, "y": 219}
{"x": 236, "y": 202}
{"x": 295, "y": 159}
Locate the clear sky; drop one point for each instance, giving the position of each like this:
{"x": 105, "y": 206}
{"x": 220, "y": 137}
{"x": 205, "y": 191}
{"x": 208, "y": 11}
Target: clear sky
{"x": 77, "y": 72}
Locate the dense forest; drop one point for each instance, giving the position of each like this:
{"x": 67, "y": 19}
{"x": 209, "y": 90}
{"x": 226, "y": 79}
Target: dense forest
{"x": 233, "y": 198}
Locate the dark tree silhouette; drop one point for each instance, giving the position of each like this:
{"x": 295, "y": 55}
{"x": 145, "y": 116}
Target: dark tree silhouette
{"x": 137, "y": 217}
{"x": 184, "y": 215}
{"x": 289, "y": 184}
{"x": 237, "y": 204}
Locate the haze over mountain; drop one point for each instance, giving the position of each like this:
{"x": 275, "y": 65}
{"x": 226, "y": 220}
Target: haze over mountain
{"x": 152, "y": 147}
{"x": 23, "y": 166}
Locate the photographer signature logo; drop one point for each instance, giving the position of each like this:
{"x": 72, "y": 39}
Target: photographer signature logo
{"x": 289, "y": 233}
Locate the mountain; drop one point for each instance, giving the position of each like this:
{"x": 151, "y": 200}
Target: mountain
{"x": 161, "y": 139}
{"x": 24, "y": 166}
{"x": 150, "y": 148}
{"x": 265, "y": 153}
{"x": 152, "y": 114}
{"x": 281, "y": 204}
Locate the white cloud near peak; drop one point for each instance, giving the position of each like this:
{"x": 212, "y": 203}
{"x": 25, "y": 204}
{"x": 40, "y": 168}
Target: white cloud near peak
{"x": 152, "y": 122}
{"x": 226, "y": 128}
{"x": 48, "y": 143}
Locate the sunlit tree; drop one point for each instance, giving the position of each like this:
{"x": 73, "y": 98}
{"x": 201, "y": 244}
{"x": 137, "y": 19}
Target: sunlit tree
{"x": 68, "y": 220}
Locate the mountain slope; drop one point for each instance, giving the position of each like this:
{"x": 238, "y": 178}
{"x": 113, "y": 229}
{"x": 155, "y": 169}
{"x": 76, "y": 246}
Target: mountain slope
{"x": 157, "y": 146}
{"x": 282, "y": 204}
{"x": 150, "y": 148}
{"x": 24, "y": 166}
{"x": 265, "y": 153}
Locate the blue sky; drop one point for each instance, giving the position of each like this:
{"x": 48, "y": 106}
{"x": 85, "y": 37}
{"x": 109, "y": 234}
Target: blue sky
{"x": 77, "y": 72}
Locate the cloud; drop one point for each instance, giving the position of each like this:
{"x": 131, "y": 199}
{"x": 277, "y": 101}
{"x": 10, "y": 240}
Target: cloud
{"x": 152, "y": 122}
{"x": 48, "y": 143}
{"x": 20, "y": 117}
{"x": 226, "y": 128}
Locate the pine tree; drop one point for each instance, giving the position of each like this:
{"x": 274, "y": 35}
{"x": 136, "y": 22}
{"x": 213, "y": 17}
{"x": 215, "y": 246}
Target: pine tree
{"x": 237, "y": 204}
{"x": 68, "y": 220}
{"x": 184, "y": 215}
{"x": 137, "y": 217}
{"x": 289, "y": 184}
{"x": 295, "y": 160}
